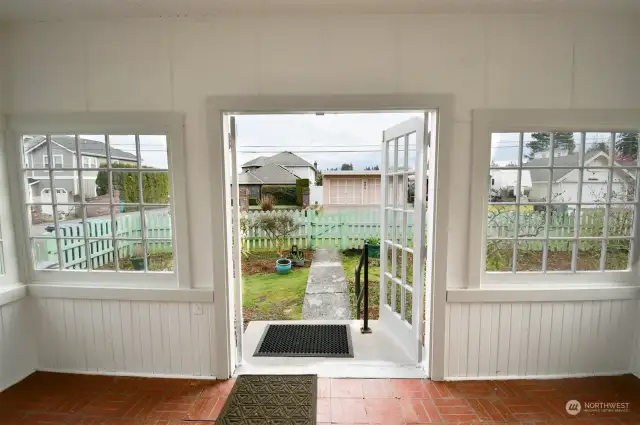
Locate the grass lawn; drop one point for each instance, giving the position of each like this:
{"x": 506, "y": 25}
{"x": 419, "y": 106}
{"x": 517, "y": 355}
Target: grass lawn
{"x": 273, "y": 296}
{"x": 351, "y": 259}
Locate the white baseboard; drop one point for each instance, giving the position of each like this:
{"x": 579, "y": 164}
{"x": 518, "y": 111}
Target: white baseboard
{"x": 130, "y": 374}
{"x": 4, "y": 386}
{"x": 557, "y": 376}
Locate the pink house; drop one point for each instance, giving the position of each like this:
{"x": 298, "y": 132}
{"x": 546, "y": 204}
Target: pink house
{"x": 351, "y": 188}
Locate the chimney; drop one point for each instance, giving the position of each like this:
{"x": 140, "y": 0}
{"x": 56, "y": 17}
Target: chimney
{"x": 315, "y": 165}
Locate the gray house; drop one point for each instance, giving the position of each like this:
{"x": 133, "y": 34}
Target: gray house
{"x": 280, "y": 169}
{"x": 63, "y": 150}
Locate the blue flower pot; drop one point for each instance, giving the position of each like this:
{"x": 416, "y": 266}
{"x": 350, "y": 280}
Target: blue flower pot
{"x": 283, "y": 266}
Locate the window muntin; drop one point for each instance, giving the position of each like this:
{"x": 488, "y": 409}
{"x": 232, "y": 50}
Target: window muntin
{"x": 113, "y": 204}
{"x": 561, "y": 202}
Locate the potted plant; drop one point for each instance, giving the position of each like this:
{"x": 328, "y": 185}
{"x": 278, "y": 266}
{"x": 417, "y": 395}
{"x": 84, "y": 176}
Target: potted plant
{"x": 374, "y": 247}
{"x": 283, "y": 266}
{"x": 137, "y": 259}
{"x": 297, "y": 256}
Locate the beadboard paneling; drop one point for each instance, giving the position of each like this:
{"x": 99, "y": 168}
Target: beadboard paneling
{"x": 487, "y": 340}
{"x": 635, "y": 360}
{"x": 127, "y": 337}
{"x": 17, "y": 354}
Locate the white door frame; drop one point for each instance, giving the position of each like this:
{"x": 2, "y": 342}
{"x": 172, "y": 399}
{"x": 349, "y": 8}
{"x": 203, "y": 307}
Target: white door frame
{"x": 221, "y": 211}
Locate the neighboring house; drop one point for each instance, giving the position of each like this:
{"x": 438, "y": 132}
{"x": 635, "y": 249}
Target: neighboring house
{"x": 282, "y": 169}
{"x": 564, "y": 187}
{"x": 63, "y": 150}
{"x": 504, "y": 182}
{"x": 354, "y": 188}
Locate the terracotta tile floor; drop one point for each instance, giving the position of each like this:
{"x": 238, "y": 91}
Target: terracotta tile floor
{"x": 52, "y": 398}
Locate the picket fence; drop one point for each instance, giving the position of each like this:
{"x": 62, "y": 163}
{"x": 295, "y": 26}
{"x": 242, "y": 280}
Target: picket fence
{"x": 100, "y": 241}
{"x": 347, "y": 229}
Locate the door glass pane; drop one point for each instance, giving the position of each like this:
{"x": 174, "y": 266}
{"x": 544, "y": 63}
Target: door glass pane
{"x": 617, "y": 254}
{"x": 626, "y": 149}
{"x": 504, "y": 150}
{"x": 559, "y": 255}
{"x": 529, "y": 256}
{"x": 621, "y": 220}
{"x": 401, "y": 153}
{"x": 122, "y": 149}
{"x": 390, "y": 146}
{"x": 412, "y": 152}
{"x": 499, "y": 255}
{"x": 34, "y": 153}
{"x": 589, "y": 253}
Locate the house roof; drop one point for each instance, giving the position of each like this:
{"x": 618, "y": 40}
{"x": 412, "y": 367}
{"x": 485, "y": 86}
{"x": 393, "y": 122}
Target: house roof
{"x": 256, "y": 162}
{"x": 352, "y": 173}
{"x": 87, "y": 147}
{"x": 269, "y": 174}
{"x": 571, "y": 160}
{"x": 248, "y": 178}
{"x": 286, "y": 159}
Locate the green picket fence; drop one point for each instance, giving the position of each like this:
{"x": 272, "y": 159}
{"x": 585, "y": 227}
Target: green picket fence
{"x": 342, "y": 229}
{"x": 100, "y": 241}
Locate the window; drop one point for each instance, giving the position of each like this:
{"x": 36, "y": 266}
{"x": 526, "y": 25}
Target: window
{"x": 127, "y": 228}
{"x": 89, "y": 162}
{"x": 58, "y": 161}
{"x": 561, "y": 202}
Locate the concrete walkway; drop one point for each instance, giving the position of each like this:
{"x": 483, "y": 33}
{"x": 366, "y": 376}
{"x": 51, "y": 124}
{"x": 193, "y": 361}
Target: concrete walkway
{"x": 326, "y": 297}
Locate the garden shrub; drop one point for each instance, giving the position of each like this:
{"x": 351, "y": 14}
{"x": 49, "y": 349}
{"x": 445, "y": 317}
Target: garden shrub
{"x": 301, "y": 186}
{"x": 155, "y": 185}
{"x": 279, "y": 226}
{"x": 267, "y": 203}
{"x": 284, "y": 195}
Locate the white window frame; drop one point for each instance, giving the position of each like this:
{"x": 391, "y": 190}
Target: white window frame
{"x": 169, "y": 124}
{"x": 9, "y": 272}
{"x": 45, "y": 160}
{"x": 486, "y": 122}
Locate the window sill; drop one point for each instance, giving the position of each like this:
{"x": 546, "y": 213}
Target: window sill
{"x": 12, "y": 293}
{"x": 543, "y": 294}
{"x": 120, "y": 293}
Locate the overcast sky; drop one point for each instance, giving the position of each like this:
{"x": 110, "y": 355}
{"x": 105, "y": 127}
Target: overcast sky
{"x": 504, "y": 146}
{"x": 330, "y": 139}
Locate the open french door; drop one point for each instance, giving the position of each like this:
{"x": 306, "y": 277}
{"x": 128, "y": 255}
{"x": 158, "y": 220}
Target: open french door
{"x": 402, "y": 245}
{"x": 237, "y": 242}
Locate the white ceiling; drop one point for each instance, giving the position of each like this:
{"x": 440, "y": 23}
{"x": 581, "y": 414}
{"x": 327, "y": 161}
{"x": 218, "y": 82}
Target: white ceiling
{"x": 12, "y": 10}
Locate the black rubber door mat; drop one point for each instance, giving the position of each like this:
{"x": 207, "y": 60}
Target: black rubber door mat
{"x": 305, "y": 341}
{"x": 271, "y": 399}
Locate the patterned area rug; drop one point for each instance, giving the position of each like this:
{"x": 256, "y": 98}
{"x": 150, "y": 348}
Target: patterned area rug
{"x": 271, "y": 399}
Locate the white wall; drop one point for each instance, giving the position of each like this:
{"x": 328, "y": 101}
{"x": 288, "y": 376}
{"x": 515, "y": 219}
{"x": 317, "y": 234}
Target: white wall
{"x": 304, "y": 173}
{"x": 500, "y": 61}
{"x": 635, "y": 355}
{"x": 126, "y": 337}
{"x": 487, "y": 340}
{"x": 17, "y": 351}
{"x": 174, "y": 64}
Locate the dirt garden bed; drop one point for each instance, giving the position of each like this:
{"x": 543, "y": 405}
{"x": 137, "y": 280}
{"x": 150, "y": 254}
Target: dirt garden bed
{"x": 261, "y": 262}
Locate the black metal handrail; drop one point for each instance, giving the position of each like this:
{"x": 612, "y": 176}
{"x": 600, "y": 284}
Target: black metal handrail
{"x": 363, "y": 293}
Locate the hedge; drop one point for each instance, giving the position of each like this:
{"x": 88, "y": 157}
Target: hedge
{"x": 301, "y": 186}
{"x": 284, "y": 195}
{"x": 155, "y": 185}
